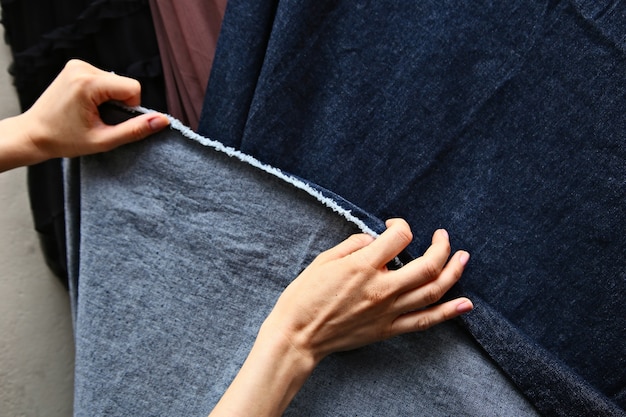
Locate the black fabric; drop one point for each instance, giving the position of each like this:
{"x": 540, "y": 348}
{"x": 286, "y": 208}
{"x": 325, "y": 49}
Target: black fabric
{"x": 115, "y": 35}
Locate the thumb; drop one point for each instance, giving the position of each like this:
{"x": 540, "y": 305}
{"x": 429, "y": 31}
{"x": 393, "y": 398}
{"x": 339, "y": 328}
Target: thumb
{"x": 134, "y": 129}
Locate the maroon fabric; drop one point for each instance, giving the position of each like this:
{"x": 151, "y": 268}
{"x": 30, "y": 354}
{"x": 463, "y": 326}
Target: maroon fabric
{"x": 187, "y": 35}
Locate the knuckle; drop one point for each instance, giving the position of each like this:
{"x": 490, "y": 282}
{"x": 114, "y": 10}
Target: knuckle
{"x": 362, "y": 263}
{"x": 376, "y": 295}
{"x": 447, "y": 315}
{"x": 423, "y": 322}
{"x": 403, "y": 233}
{"x": 138, "y": 131}
{"x": 433, "y": 293}
{"x": 360, "y": 239}
{"x": 73, "y": 64}
{"x": 431, "y": 269}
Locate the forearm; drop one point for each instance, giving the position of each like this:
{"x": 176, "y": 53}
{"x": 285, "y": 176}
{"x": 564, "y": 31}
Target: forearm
{"x": 272, "y": 374}
{"x": 16, "y": 147}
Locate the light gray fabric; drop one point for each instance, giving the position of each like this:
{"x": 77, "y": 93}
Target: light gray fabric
{"x": 181, "y": 253}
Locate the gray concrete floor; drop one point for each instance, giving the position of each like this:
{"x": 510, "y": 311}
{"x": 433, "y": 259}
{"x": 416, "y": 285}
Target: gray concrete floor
{"x": 36, "y": 344}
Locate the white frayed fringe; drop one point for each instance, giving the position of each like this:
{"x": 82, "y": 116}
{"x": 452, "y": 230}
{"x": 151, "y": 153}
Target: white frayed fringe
{"x": 232, "y": 152}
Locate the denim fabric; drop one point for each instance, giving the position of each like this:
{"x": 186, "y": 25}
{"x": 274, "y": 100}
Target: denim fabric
{"x": 504, "y": 122}
{"x": 182, "y": 251}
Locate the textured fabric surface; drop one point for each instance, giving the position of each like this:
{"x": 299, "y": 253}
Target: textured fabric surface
{"x": 181, "y": 252}
{"x": 502, "y": 121}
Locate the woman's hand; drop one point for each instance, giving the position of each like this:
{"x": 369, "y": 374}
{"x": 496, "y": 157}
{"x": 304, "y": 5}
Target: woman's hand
{"x": 348, "y": 298}
{"x": 345, "y": 299}
{"x": 65, "y": 122}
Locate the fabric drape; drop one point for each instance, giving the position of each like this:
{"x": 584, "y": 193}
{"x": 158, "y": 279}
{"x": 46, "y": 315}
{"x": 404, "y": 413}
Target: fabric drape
{"x": 182, "y": 248}
{"x": 503, "y": 122}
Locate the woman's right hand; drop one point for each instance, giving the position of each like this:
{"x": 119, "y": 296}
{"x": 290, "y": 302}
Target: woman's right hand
{"x": 345, "y": 299}
{"x": 348, "y": 298}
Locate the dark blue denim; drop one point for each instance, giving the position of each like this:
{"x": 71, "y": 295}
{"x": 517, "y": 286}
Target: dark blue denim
{"x": 504, "y": 122}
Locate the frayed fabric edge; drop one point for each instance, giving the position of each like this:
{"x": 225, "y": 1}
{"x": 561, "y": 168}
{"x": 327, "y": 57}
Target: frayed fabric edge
{"x": 250, "y": 160}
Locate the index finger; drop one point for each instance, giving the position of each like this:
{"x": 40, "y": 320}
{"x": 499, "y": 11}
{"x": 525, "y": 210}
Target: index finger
{"x": 116, "y": 87}
{"x": 389, "y": 244}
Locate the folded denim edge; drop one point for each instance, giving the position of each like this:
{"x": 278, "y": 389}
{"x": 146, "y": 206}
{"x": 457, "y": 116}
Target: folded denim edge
{"x": 352, "y": 214}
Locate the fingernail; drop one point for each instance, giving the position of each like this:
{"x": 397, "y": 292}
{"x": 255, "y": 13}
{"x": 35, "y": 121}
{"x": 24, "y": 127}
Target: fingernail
{"x": 464, "y": 258}
{"x": 158, "y": 122}
{"x": 444, "y": 233}
{"x": 464, "y": 306}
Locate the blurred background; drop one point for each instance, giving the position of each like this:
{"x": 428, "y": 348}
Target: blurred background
{"x": 36, "y": 345}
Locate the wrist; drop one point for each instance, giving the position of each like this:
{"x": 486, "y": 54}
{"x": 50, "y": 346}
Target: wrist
{"x": 279, "y": 343}
{"x": 290, "y": 365}
{"x": 38, "y": 135}
{"x": 16, "y": 145}
{"x": 271, "y": 376}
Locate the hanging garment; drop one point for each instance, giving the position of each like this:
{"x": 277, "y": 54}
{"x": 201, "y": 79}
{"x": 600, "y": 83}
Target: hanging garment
{"x": 115, "y": 35}
{"x": 182, "y": 246}
{"x": 504, "y": 122}
{"x": 187, "y": 35}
